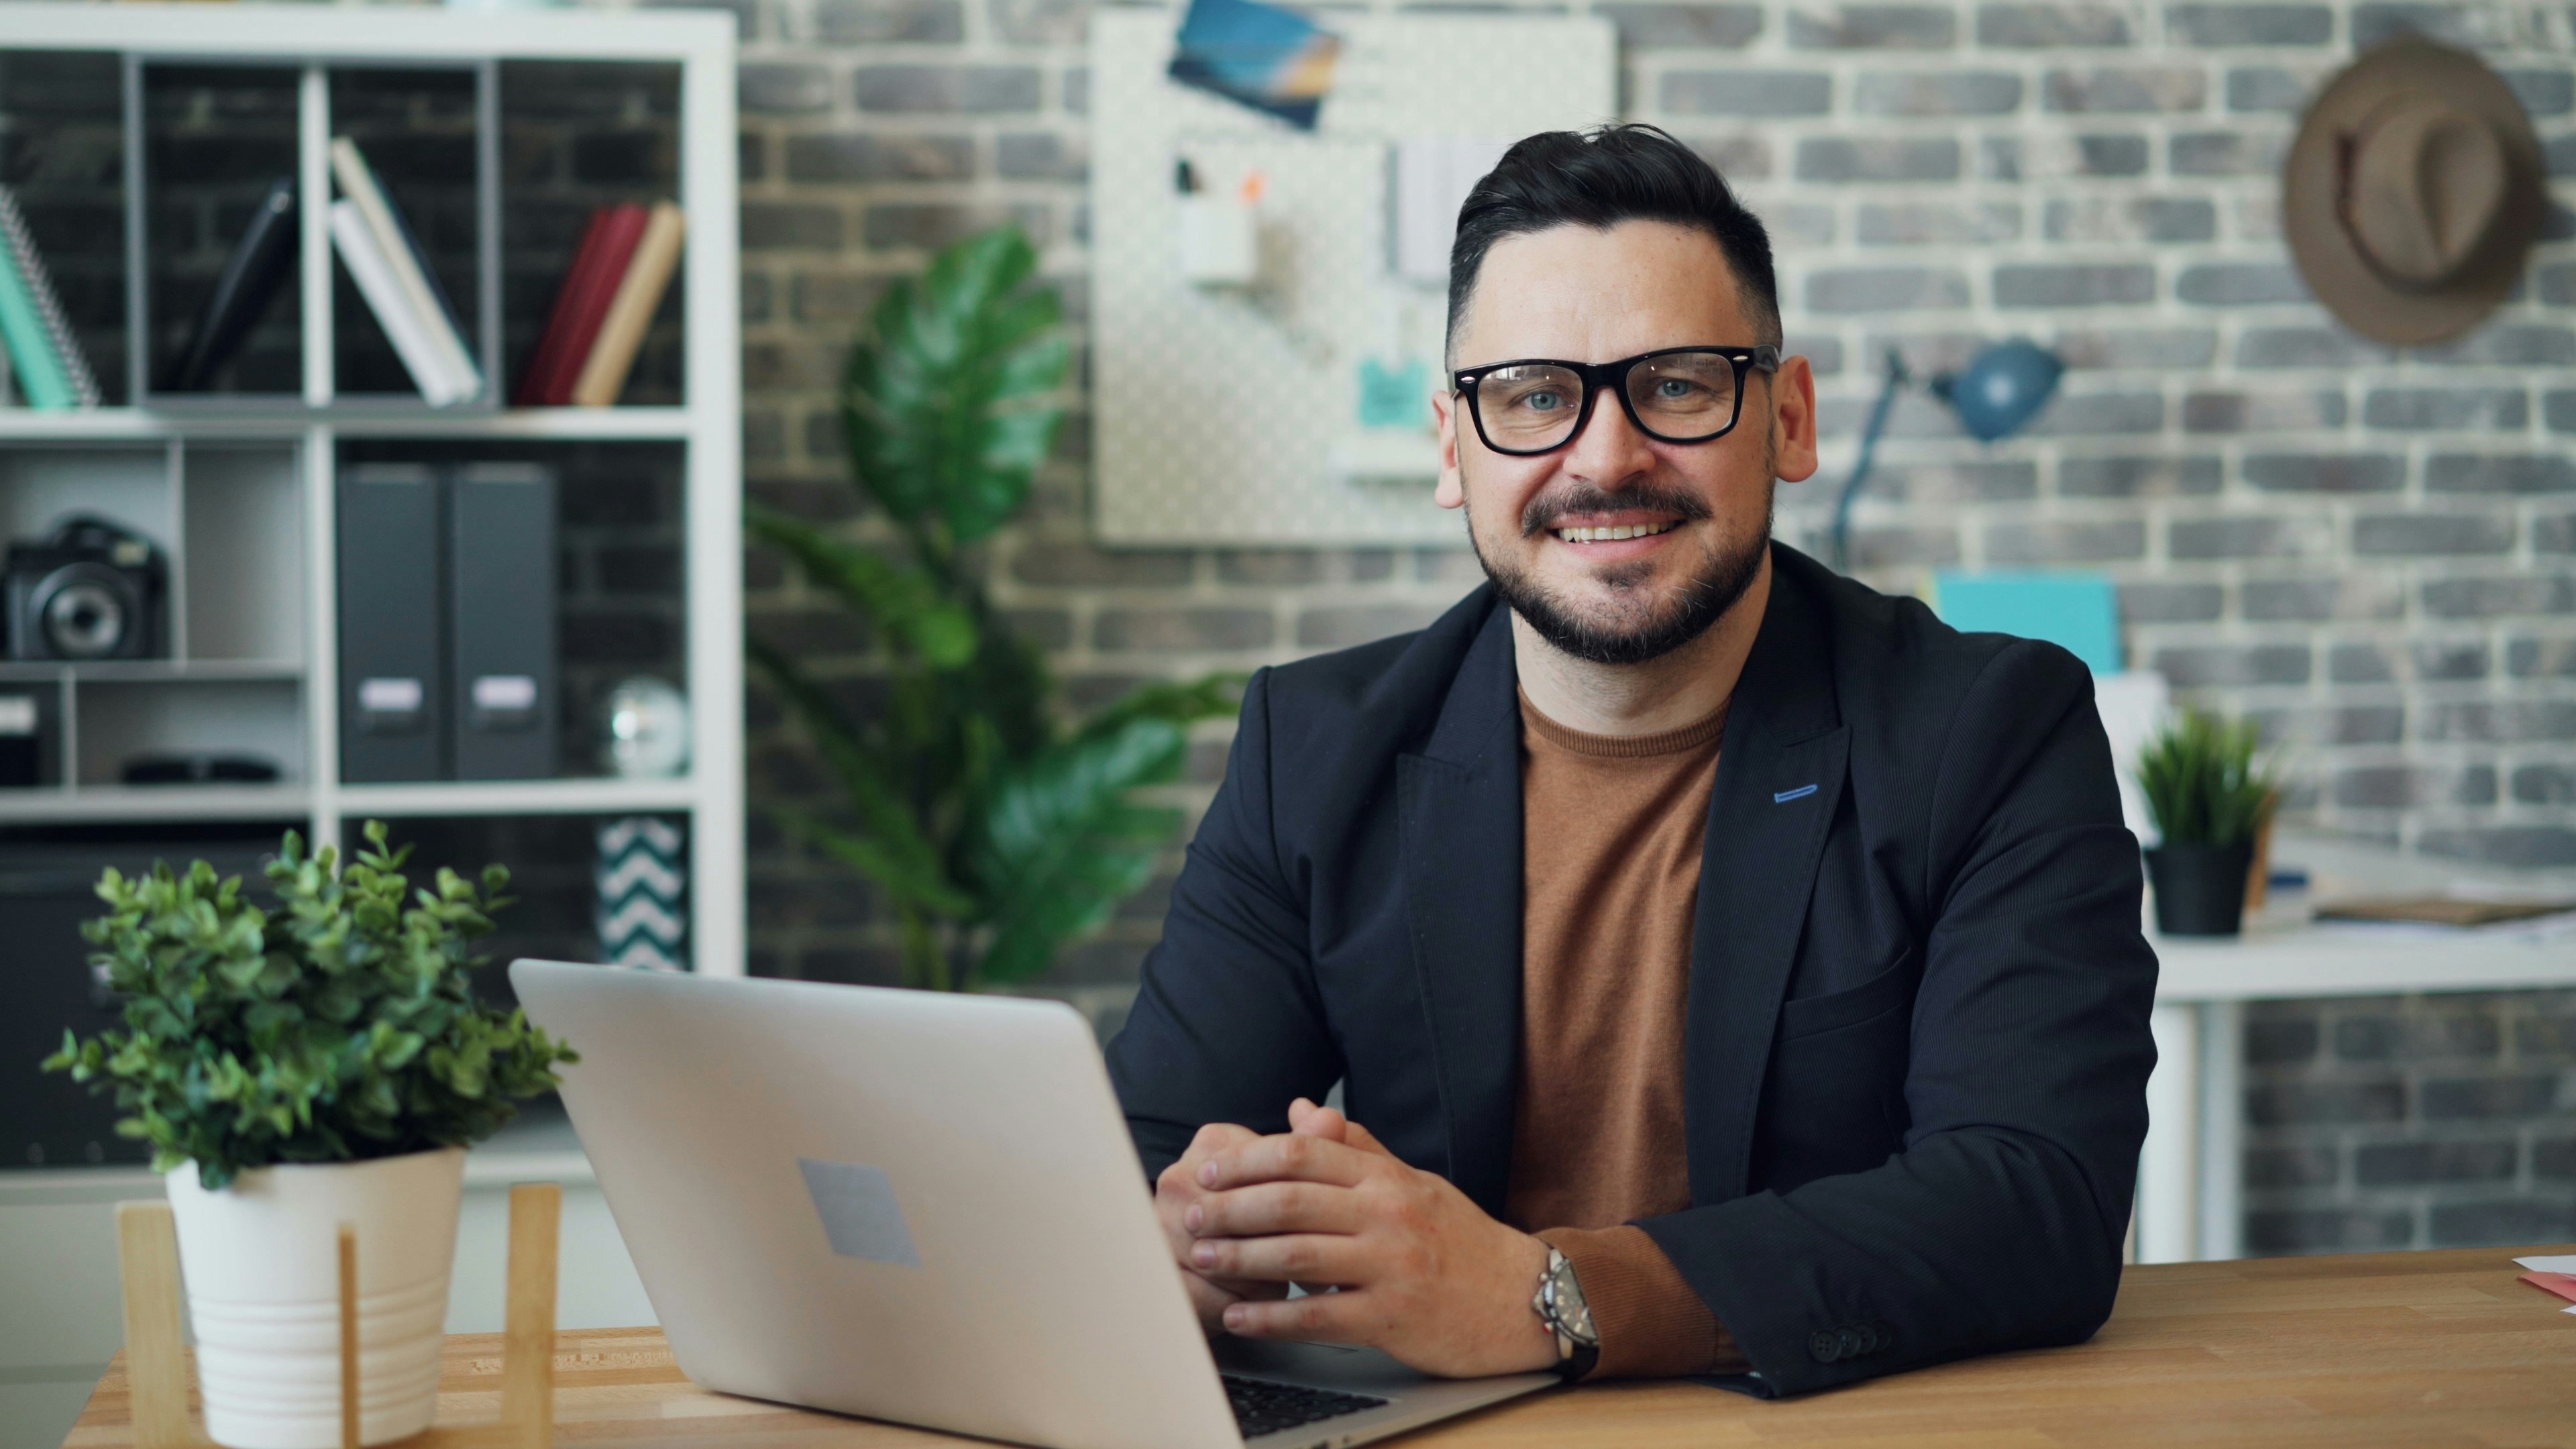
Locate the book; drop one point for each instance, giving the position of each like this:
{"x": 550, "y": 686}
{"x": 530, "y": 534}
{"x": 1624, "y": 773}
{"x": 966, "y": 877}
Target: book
{"x": 51, "y": 367}
{"x": 356, "y": 243}
{"x": 542, "y": 357}
{"x": 431, "y": 316}
{"x": 630, "y": 310}
{"x": 582, "y": 305}
{"x": 248, "y": 286}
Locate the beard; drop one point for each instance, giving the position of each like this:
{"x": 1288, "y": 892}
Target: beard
{"x": 1642, "y": 622}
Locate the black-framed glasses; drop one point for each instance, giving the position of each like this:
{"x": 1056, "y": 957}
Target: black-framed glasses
{"x": 1674, "y": 395}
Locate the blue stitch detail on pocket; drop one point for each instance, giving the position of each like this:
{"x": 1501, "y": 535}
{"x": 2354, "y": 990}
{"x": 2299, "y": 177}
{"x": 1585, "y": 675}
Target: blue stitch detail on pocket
{"x": 1801, "y": 793}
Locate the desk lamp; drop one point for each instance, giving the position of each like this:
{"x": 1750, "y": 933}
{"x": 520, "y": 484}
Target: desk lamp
{"x": 2002, "y": 389}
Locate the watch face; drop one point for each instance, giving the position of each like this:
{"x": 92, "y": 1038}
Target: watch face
{"x": 1565, "y": 1295}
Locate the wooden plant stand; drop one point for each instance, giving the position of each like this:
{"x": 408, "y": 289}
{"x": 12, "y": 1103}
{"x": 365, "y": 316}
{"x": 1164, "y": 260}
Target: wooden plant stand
{"x": 156, "y": 1365}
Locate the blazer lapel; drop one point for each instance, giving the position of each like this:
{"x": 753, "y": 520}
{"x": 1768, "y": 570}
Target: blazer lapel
{"x": 1459, "y": 827}
{"x": 1779, "y": 782}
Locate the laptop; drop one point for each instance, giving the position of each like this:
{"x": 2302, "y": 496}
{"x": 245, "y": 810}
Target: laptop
{"x": 925, "y": 1208}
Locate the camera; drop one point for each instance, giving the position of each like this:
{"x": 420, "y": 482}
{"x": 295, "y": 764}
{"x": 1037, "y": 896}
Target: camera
{"x": 88, "y": 590}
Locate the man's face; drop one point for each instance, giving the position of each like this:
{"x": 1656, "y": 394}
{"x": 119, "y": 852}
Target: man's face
{"x": 1698, "y": 514}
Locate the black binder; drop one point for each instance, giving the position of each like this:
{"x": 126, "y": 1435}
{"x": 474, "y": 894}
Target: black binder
{"x": 393, "y": 703}
{"x": 504, "y": 713}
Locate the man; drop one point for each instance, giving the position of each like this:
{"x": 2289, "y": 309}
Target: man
{"x": 1731, "y": 971}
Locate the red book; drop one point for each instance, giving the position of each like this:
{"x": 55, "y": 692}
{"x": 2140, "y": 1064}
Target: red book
{"x": 563, "y": 346}
{"x": 593, "y": 289}
{"x": 550, "y": 342}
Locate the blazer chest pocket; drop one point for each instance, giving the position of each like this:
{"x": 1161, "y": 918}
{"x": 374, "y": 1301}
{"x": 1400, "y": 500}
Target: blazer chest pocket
{"x": 1834, "y": 1099}
{"x": 1885, "y": 992}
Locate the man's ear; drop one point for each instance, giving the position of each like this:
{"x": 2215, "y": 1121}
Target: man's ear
{"x": 1793, "y": 420}
{"x": 1452, "y": 491}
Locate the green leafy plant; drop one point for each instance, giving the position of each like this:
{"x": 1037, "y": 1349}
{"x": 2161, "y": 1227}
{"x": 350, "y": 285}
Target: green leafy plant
{"x": 2202, "y": 783}
{"x": 997, "y": 831}
{"x": 338, "y": 1027}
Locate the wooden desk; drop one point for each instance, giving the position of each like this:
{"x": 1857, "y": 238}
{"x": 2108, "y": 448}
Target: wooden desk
{"x": 2381, "y": 1348}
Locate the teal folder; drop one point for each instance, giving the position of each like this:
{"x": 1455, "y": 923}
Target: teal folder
{"x": 2080, "y": 612}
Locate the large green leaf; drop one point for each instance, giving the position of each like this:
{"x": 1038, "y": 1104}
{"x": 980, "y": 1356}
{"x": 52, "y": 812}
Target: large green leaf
{"x": 1211, "y": 696}
{"x": 1062, "y": 843}
{"x": 903, "y": 603}
{"x": 947, "y": 406}
{"x": 889, "y": 847}
{"x": 909, "y": 879}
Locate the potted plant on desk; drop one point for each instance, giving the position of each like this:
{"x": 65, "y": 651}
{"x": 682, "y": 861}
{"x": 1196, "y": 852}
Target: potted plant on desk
{"x": 2211, "y": 802}
{"x": 296, "y": 1069}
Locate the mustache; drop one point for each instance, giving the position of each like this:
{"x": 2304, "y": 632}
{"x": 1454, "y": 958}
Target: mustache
{"x": 1580, "y": 497}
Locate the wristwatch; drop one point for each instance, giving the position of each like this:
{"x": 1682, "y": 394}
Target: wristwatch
{"x": 1559, "y": 1304}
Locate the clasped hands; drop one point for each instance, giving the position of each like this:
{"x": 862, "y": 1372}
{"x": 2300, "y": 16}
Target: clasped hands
{"x": 1390, "y": 1256}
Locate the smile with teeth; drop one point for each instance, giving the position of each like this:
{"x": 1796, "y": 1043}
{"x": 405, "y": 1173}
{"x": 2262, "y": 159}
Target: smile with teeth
{"x": 1612, "y": 535}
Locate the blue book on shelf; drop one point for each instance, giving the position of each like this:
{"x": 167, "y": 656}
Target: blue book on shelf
{"x": 2080, "y": 612}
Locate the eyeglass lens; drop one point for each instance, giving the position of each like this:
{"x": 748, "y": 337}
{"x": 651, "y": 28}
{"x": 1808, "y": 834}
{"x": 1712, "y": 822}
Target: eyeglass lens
{"x": 1678, "y": 397}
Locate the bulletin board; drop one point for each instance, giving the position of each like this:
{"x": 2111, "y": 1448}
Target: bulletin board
{"x": 1234, "y": 414}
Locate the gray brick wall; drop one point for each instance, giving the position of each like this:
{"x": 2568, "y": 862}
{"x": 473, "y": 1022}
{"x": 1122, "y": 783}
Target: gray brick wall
{"x": 2369, "y": 550}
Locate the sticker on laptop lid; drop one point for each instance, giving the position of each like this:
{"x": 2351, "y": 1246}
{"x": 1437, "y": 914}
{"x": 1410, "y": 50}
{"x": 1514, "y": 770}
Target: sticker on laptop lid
{"x": 860, "y": 1216}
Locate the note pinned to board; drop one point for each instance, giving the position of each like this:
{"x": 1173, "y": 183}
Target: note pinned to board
{"x": 1433, "y": 175}
{"x": 2080, "y": 612}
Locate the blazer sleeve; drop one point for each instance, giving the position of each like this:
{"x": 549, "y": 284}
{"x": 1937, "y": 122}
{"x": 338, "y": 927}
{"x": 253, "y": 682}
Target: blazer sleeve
{"x": 1999, "y": 1222}
{"x": 1228, "y": 1025}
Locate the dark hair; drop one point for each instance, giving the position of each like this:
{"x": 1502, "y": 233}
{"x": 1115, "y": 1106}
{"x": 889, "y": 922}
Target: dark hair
{"x": 1600, "y": 179}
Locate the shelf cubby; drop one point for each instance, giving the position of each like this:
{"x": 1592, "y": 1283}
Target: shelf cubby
{"x": 213, "y": 140}
{"x": 63, "y": 155}
{"x": 427, "y": 135}
{"x": 576, "y": 136}
{"x": 241, "y": 597}
{"x": 117, "y": 721}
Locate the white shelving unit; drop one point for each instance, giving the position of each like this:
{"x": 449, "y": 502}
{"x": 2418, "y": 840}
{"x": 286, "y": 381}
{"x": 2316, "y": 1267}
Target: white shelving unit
{"x": 240, "y": 489}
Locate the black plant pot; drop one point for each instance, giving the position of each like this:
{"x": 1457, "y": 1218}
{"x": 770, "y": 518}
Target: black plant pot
{"x": 2200, "y": 889}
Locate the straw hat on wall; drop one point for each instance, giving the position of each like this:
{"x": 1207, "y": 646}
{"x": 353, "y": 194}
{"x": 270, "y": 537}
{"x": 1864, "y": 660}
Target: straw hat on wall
{"x": 2413, "y": 192}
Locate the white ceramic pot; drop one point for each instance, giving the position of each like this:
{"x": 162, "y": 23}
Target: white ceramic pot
{"x": 261, "y": 1260}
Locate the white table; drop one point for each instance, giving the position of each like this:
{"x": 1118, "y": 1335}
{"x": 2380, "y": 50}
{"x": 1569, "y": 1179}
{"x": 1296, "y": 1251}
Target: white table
{"x": 2189, "y": 1175}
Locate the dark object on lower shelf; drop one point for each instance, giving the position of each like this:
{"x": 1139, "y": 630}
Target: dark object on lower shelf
{"x": 2200, "y": 889}
{"x": 21, "y": 743}
{"x": 48, "y": 887}
{"x": 200, "y": 769}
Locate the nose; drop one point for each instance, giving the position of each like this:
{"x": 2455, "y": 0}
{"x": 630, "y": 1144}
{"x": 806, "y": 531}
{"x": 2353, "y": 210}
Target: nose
{"x": 1610, "y": 450}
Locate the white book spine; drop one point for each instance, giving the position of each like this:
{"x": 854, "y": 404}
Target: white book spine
{"x": 356, "y": 243}
{"x": 358, "y": 183}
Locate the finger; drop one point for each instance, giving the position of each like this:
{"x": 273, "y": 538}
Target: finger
{"x": 1274, "y": 1207}
{"x": 1284, "y": 1158}
{"x": 1218, "y": 1136}
{"x": 1308, "y": 1120}
{"x": 1285, "y": 1258}
{"x": 1315, "y": 1318}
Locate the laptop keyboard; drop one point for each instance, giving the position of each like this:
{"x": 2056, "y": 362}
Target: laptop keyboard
{"x": 1261, "y": 1407}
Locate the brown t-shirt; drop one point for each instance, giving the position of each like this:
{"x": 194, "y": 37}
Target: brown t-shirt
{"x": 1612, "y": 830}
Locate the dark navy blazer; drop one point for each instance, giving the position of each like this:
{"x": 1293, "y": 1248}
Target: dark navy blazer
{"x": 1916, "y": 1048}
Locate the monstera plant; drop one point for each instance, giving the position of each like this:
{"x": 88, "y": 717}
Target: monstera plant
{"x": 997, "y": 828}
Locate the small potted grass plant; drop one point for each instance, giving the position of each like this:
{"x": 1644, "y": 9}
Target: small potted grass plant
{"x": 297, "y": 1068}
{"x": 2211, "y": 801}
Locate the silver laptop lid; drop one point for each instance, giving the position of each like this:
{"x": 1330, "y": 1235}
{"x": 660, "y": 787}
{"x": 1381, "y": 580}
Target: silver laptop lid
{"x": 901, "y": 1204}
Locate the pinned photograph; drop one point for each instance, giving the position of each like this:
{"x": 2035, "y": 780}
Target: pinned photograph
{"x": 1270, "y": 59}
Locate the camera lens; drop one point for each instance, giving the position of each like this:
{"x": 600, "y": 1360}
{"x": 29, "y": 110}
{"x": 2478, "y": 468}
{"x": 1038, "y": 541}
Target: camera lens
{"x": 84, "y": 620}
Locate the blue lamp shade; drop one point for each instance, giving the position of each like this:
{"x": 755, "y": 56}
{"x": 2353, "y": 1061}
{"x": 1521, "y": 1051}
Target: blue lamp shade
{"x": 2003, "y": 388}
